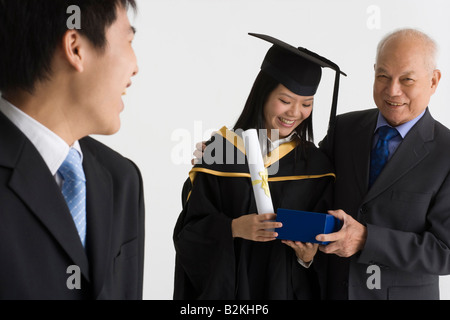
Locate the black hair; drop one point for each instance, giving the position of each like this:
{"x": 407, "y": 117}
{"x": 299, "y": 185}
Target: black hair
{"x": 252, "y": 117}
{"x": 31, "y": 30}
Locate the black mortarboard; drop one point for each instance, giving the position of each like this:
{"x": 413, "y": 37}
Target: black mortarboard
{"x": 298, "y": 69}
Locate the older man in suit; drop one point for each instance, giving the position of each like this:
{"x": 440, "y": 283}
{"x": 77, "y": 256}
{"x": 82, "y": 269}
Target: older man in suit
{"x": 393, "y": 182}
{"x": 71, "y": 209}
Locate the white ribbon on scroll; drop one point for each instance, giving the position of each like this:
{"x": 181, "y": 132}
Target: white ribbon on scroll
{"x": 258, "y": 172}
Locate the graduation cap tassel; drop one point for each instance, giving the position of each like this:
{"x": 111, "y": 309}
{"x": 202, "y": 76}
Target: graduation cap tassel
{"x": 335, "y": 99}
{"x": 333, "y": 114}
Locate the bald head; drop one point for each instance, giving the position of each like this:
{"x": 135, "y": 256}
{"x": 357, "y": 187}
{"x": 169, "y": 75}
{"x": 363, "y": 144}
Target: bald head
{"x": 415, "y": 39}
{"x": 405, "y": 75}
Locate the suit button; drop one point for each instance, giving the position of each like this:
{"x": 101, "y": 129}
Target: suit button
{"x": 363, "y": 210}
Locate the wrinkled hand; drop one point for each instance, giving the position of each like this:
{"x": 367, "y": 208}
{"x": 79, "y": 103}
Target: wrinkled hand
{"x": 253, "y": 227}
{"x": 198, "y": 152}
{"x": 304, "y": 251}
{"x": 347, "y": 241}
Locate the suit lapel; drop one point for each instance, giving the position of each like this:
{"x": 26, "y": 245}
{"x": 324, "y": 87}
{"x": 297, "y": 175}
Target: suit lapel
{"x": 36, "y": 187}
{"x": 99, "y": 209}
{"x": 34, "y": 184}
{"x": 362, "y": 149}
{"x": 409, "y": 154}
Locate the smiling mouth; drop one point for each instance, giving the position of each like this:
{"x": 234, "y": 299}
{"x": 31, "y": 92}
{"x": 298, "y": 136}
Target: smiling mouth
{"x": 288, "y": 122}
{"x": 394, "y": 104}
{"x": 124, "y": 93}
{"x": 285, "y": 122}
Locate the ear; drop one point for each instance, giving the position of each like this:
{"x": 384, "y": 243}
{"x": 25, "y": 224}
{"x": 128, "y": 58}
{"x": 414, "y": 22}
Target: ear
{"x": 435, "y": 79}
{"x": 73, "y": 49}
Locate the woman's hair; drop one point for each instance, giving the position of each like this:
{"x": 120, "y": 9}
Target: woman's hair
{"x": 252, "y": 117}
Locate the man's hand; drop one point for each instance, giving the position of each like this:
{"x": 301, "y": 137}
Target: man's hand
{"x": 198, "y": 152}
{"x": 254, "y": 227}
{"x": 347, "y": 241}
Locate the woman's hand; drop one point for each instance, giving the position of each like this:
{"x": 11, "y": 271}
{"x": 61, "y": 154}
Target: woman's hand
{"x": 304, "y": 251}
{"x": 254, "y": 227}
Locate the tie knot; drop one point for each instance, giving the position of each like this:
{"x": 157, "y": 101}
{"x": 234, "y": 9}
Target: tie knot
{"x": 72, "y": 168}
{"x": 386, "y": 133}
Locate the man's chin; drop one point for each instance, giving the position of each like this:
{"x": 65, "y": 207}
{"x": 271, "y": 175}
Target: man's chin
{"x": 110, "y": 130}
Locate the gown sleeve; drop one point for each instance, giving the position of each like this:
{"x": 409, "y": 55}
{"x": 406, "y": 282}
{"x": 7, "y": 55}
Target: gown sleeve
{"x": 205, "y": 259}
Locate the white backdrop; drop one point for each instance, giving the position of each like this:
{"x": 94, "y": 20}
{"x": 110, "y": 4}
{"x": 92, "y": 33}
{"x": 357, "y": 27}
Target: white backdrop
{"x": 197, "y": 65}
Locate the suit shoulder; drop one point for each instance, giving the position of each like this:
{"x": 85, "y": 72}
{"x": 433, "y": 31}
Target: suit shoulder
{"x": 99, "y": 149}
{"x": 442, "y": 133}
{"x": 357, "y": 115}
{"x": 107, "y": 156}
{"x": 443, "y": 130}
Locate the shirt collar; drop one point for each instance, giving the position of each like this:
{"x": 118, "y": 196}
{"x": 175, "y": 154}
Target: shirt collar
{"x": 272, "y": 145}
{"x": 403, "y": 129}
{"x": 50, "y": 146}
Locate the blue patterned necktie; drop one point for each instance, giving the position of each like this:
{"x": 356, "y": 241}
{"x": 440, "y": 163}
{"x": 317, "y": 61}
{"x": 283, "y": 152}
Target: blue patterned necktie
{"x": 380, "y": 153}
{"x": 74, "y": 190}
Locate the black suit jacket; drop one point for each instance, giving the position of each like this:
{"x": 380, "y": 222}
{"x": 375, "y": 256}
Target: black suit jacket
{"x": 38, "y": 238}
{"x": 407, "y": 210}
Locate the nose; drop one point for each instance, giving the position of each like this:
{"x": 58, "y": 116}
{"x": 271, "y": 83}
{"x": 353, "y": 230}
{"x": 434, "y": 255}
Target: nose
{"x": 294, "y": 110}
{"x": 393, "y": 88}
{"x": 136, "y": 70}
{"x": 297, "y": 111}
{"x": 135, "y": 64}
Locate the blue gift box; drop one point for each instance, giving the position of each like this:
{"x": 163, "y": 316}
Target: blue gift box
{"x": 305, "y": 226}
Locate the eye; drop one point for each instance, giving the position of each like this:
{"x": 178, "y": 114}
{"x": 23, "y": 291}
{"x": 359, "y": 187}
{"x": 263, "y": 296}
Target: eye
{"x": 284, "y": 102}
{"x": 307, "y": 105}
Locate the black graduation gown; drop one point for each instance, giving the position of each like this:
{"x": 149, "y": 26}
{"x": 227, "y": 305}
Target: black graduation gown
{"x": 210, "y": 264}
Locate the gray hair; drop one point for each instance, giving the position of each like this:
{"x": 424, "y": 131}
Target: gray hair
{"x": 430, "y": 45}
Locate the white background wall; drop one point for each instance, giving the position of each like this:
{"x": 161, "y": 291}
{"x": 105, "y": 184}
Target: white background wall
{"x": 197, "y": 65}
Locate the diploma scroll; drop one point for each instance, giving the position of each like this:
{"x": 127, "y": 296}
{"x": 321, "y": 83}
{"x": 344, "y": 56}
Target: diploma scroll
{"x": 258, "y": 172}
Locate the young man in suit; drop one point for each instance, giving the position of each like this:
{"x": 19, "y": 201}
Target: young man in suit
{"x": 393, "y": 182}
{"x": 72, "y": 210}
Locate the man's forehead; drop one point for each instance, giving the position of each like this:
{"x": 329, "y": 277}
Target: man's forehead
{"x": 403, "y": 60}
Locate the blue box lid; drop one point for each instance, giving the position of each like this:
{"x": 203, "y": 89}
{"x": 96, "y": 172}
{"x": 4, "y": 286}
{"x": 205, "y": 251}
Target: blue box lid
{"x": 304, "y": 226}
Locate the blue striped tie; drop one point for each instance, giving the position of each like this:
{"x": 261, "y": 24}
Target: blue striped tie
{"x": 380, "y": 153}
{"x": 74, "y": 190}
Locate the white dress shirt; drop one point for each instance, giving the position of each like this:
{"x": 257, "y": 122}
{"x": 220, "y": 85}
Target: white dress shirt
{"x": 272, "y": 145}
{"x": 50, "y": 146}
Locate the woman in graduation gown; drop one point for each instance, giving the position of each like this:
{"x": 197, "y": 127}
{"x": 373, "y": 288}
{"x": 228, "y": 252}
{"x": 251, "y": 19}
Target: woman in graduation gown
{"x": 223, "y": 248}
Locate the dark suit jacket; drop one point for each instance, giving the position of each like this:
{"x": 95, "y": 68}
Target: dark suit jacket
{"x": 38, "y": 238}
{"x": 407, "y": 210}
